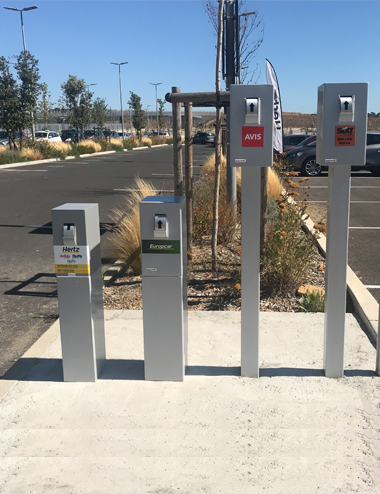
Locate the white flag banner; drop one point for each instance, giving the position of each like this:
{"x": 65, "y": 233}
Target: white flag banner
{"x": 277, "y": 110}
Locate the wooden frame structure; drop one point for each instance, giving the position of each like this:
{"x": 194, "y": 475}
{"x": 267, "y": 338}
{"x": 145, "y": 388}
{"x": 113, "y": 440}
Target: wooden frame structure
{"x": 189, "y": 100}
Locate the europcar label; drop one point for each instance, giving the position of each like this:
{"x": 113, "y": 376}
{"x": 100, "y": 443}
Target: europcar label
{"x": 161, "y": 246}
{"x": 72, "y": 259}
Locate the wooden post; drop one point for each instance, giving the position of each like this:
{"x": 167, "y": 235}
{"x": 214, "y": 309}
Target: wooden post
{"x": 189, "y": 173}
{"x": 177, "y": 146}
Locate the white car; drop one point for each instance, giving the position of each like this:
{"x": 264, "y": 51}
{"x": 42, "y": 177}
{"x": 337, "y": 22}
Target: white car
{"x": 47, "y": 135}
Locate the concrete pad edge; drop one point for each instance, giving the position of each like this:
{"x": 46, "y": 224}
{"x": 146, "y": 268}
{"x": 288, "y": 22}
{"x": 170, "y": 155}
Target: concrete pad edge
{"x": 24, "y": 364}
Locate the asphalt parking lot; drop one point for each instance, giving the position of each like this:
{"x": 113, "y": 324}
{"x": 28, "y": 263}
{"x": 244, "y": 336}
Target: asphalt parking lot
{"x": 364, "y": 229}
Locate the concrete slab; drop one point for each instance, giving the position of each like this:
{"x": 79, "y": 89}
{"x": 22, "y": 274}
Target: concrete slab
{"x": 290, "y": 431}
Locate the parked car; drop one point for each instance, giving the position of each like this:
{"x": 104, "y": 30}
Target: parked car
{"x": 71, "y": 135}
{"x": 211, "y": 139}
{"x": 47, "y": 135}
{"x": 303, "y": 158}
{"x": 291, "y": 141}
{"x": 126, "y": 135}
{"x": 112, "y": 134}
{"x": 162, "y": 134}
{"x": 201, "y": 137}
{"x": 149, "y": 134}
{"x": 4, "y": 139}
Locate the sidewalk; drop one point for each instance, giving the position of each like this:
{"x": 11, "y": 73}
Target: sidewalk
{"x": 290, "y": 431}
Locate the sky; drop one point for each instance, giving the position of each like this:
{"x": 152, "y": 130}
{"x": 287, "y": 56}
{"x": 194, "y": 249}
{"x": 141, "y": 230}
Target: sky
{"x": 172, "y": 42}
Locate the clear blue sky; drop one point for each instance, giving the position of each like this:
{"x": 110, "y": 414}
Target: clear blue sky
{"x": 308, "y": 42}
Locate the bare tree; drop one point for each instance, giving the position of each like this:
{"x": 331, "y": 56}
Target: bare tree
{"x": 250, "y": 37}
{"x": 218, "y": 144}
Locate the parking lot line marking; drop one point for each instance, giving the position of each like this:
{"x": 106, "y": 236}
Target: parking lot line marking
{"x": 137, "y": 190}
{"x": 364, "y": 227}
{"x": 9, "y": 170}
{"x": 160, "y": 174}
{"x": 317, "y": 201}
{"x": 372, "y": 286}
{"x": 366, "y": 202}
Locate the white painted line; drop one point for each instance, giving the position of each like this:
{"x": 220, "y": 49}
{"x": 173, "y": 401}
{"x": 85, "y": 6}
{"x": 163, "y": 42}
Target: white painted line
{"x": 137, "y": 190}
{"x": 352, "y": 186}
{"x": 366, "y": 202}
{"x": 19, "y": 171}
{"x": 372, "y": 286}
{"x": 38, "y": 226}
{"x": 364, "y": 227}
{"x": 161, "y": 174}
{"x": 315, "y": 201}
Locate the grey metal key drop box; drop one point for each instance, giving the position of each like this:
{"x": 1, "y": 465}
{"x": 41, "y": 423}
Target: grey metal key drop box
{"x": 76, "y": 238}
{"x": 164, "y": 286}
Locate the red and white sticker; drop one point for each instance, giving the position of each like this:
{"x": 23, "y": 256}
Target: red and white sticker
{"x": 344, "y": 135}
{"x": 253, "y": 137}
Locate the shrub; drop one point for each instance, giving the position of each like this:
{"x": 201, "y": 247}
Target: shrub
{"x": 312, "y": 302}
{"x": 288, "y": 253}
{"x": 32, "y": 154}
{"x": 7, "y": 157}
{"x": 128, "y": 144}
{"x": 89, "y": 143}
{"x": 44, "y": 149}
{"x": 78, "y": 149}
{"x": 158, "y": 140}
{"x": 126, "y": 234}
{"x": 103, "y": 143}
{"x": 169, "y": 141}
{"x": 146, "y": 141}
{"x": 64, "y": 147}
{"x": 117, "y": 142}
{"x": 203, "y": 199}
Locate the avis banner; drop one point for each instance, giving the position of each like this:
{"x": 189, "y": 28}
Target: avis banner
{"x": 277, "y": 110}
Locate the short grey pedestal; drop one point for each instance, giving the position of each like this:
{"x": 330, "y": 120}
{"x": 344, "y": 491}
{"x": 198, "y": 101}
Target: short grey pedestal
{"x": 164, "y": 289}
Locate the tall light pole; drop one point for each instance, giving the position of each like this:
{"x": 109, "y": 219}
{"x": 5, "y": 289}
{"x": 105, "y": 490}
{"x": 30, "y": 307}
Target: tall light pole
{"x": 156, "y": 84}
{"x": 121, "y": 97}
{"x": 88, "y": 86}
{"x": 23, "y": 40}
{"x": 147, "y": 115}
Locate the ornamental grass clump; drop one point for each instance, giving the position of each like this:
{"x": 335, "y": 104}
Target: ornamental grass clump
{"x": 126, "y": 234}
{"x": 288, "y": 252}
{"x": 91, "y": 144}
{"x": 312, "y": 302}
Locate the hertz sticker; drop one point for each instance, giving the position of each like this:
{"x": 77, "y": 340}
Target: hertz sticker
{"x": 72, "y": 268}
{"x": 72, "y": 259}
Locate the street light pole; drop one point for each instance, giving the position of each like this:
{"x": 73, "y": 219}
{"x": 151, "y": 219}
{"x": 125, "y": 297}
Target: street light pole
{"x": 88, "y": 86}
{"x": 121, "y": 97}
{"x": 156, "y": 84}
{"x": 147, "y": 115}
{"x": 23, "y": 40}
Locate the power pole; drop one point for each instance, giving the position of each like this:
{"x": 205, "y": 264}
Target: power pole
{"x": 230, "y": 79}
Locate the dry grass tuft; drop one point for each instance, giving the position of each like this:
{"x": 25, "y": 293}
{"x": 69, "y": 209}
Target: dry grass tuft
{"x": 89, "y": 143}
{"x": 65, "y": 147}
{"x": 274, "y": 185}
{"x": 147, "y": 140}
{"x": 31, "y": 154}
{"x": 134, "y": 141}
{"x": 126, "y": 234}
{"x": 117, "y": 142}
{"x": 3, "y": 148}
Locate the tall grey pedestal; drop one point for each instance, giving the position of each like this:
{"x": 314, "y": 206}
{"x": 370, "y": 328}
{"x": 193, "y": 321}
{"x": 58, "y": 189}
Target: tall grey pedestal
{"x": 78, "y": 267}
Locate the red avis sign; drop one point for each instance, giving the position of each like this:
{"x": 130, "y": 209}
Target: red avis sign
{"x": 253, "y": 137}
